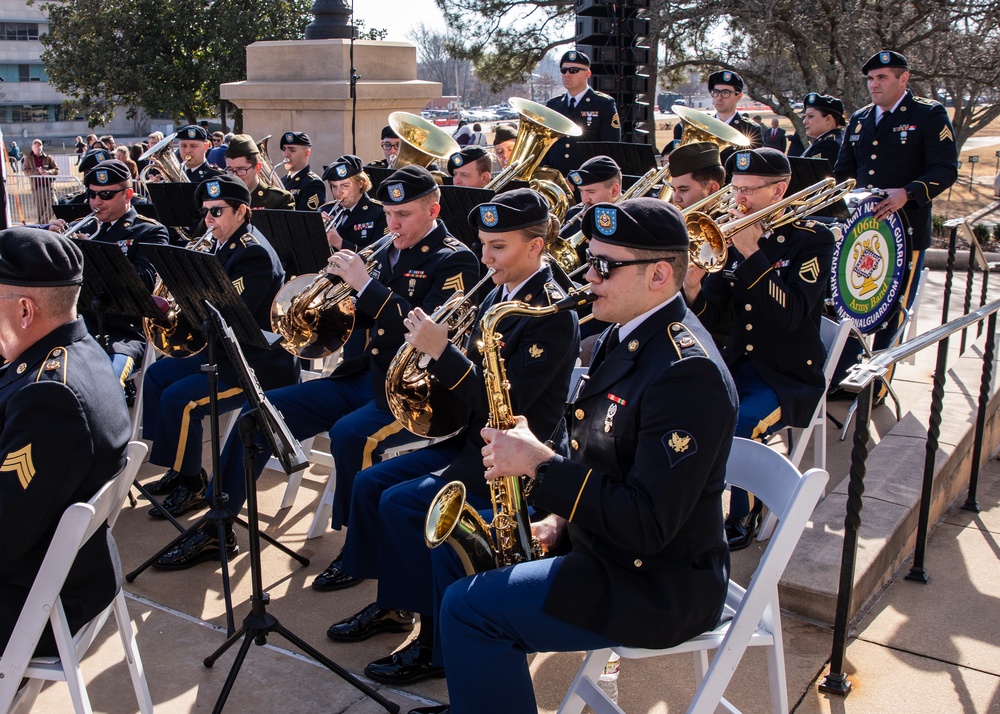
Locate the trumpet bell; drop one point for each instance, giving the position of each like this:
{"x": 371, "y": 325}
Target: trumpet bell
{"x": 312, "y": 331}
{"x": 708, "y": 248}
{"x": 420, "y": 142}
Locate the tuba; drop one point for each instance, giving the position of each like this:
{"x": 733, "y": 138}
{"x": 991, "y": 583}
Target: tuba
{"x": 174, "y": 335}
{"x": 416, "y": 399}
{"x": 314, "y": 314}
{"x": 267, "y": 173}
{"x": 710, "y": 238}
{"x": 420, "y": 142}
{"x": 507, "y": 539}
{"x": 162, "y": 158}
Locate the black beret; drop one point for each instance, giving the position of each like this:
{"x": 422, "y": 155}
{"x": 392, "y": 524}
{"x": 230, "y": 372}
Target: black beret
{"x": 295, "y": 138}
{"x": 885, "y": 58}
{"x": 407, "y": 184}
{"x": 344, "y": 167}
{"x": 242, "y": 146}
{"x": 222, "y": 188}
{"x": 388, "y": 133}
{"x": 693, "y": 157}
{"x": 829, "y": 104}
{"x": 643, "y": 223}
{"x": 504, "y": 132}
{"x": 92, "y": 158}
{"x": 192, "y": 131}
{"x": 727, "y": 77}
{"x": 467, "y": 155}
{"x": 510, "y": 211}
{"x": 764, "y": 161}
{"x": 574, "y": 57}
{"x": 107, "y": 172}
{"x": 32, "y": 257}
{"x": 594, "y": 170}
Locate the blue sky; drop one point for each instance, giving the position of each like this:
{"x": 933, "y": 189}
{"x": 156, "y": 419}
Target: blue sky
{"x": 398, "y": 16}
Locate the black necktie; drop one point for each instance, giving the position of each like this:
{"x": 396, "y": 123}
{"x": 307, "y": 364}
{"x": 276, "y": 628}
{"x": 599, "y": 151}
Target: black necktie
{"x": 572, "y": 103}
{"x": 880, "y": 117}
{"x": 609, "y": 344}
{"x": 105, "y": 227}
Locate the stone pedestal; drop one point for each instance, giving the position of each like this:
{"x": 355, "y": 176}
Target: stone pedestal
{"x": 305, "y": 85}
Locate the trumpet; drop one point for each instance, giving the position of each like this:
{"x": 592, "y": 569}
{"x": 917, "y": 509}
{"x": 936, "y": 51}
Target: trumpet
{"x": 710, "y": 238}
{"x": 314, "y": 314}
{"x": 416, "y": 399}
{"x": 77, "y": 225}
{"x": 336, "y": 214}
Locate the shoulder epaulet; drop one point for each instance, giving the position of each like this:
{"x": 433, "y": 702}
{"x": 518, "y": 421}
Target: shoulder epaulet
{"x": 602, "y": 95}
{"x": 453, "y": 243}
{"x": 685, "y": 343}
{"x": 374, "y": 202}
{"x": 806, "y": 225}
{"x": 146, "y": 219}
{"x": 53, "y": 367}
{"x": 927, "y": 101}
{"x": 553, "y": 292}
{"x": 315, "y": 176}
{"x": 249, "y": 239}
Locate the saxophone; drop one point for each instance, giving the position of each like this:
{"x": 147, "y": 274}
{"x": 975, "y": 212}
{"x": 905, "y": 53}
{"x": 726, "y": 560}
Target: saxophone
{"x": 507, "y": 539}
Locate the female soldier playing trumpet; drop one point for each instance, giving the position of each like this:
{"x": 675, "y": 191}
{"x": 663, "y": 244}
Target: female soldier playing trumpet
{"x": 355, "y": 220}
{"x": 384, "y": 537}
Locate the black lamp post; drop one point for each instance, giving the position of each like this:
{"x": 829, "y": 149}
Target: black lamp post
{"x": 331, "y": 20}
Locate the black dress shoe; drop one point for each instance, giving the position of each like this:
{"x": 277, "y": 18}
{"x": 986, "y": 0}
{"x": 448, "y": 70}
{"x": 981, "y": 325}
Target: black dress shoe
{"x": 372, "y": 620}
{"x": 740, "y": 532}
{"x": 183, "y": 499}
{"x": 410, "y": 664}
{"x": 333, "y": 578}
{"x": 167, "y": 483}
{"x": 196, "y": 548}
{"x": 438, "y": 709}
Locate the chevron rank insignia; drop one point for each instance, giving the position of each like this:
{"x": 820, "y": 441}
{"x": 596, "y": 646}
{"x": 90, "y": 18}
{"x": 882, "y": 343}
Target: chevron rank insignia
{"x": 946, "y": 134}
{"x": 679, "y": 445}
{"x": 454, "y": 283}
{"x": 810, "y": 270}
{"x": 313, "y": 202}
{"x": 238, "y": 284}
{"x": 20, "y": 463}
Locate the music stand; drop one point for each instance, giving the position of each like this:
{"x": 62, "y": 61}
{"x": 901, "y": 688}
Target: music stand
{"x": 811, "y": 170}
{"x": 112, "y": 287}
{"x": 456, "y": 202}
{"x": 377, "y": 174}
{"x": 70, "y": 212}
{"x": 174, "y": 203}
{"x": 258, "y": 624}
{"x": 635, "y": 159}
{"x": 193, "y": 279}
{"x": 297, "y": 237}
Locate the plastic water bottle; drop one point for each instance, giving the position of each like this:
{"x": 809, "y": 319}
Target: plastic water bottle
{"x": 608, "y": 681}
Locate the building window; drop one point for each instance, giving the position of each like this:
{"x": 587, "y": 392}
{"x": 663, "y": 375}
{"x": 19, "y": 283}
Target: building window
{"x": 23, "y": 73}
{"x": 19, "y": 31}
{"x": 34, "y": 113}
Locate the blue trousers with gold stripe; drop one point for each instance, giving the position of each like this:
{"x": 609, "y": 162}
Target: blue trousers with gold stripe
{"x": 759, "y": 416}
{"x": 175, "y": 402}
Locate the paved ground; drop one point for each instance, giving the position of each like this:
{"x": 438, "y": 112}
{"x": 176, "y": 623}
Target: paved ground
{"x": 922, "y": 648}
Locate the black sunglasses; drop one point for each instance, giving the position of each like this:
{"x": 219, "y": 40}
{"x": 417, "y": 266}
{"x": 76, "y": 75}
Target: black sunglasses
{"x": 603, "y": 266}
{"x": 106, "y": 195}
{"x": 216, "y": 211}
{"x": 571, "y": 70}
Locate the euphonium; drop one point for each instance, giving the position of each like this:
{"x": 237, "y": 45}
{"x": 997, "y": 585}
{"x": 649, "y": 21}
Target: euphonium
{"x": 174, "y": 335}
{"x": 453, "y": 521}
{"x": 268, "y": 176}
{"x": 162, "y": 158}
{"x": 314, "y": 313}
{"x": 418, "y": 401}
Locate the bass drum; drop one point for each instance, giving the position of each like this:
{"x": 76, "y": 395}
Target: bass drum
{"x": 870, "y": 266}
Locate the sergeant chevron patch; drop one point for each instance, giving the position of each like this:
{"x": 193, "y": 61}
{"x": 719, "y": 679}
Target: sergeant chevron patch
{"x": 238, "y": 284}
{"x": 454, "y": 283}
{"x": 946, "y": 134}
{"x": 20, "y": 463}
{"x": 810, "y": 270}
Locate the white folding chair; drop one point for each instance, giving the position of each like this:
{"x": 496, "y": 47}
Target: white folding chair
{"x": 137, "y": 377}
{"x": 44, "y": 605}
{"x": 752, "y": 616}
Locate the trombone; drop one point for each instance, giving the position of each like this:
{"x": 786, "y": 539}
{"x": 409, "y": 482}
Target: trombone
{"x": 710, "y": 238}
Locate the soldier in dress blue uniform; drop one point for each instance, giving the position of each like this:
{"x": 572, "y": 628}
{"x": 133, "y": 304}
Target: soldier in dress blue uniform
{"x": 243, "y": 161}
{"x": 823, "y": 118}
{"x": 193, "y": 144}
{"x": 639, "y": 498}
{"x": 88, "y": 161}
{"x": 361, "y": 219}
{"x": 504, "y": 139}
{"x": 776, "y": 282}
{"x": 307, "y": 188}
{"x": 538, "y": 354}
{"x": 726, "y": 88}
{"x": 695, "y": 173}
{"x": 594, "y": 111}
{"x": 472, "y": 166}
{"x": 390, "y": 144}
{"x": 64, "y": 427}
{"x": 422, "y": 267}
{"x": 598, "y": 180}
{"x": 905, "y": 146}
{"x": 109, "y": 187}
{"x": 176, "y": 396}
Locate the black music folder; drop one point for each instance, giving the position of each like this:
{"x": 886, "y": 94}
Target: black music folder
{"x": 110, "y": 283}
{"x": 812, "y": 170}
{"x": 175, "y": 203}
{"x": 297, "y": 237}
{"x": 456, "y": 202}
{"x": 635, "y": 159}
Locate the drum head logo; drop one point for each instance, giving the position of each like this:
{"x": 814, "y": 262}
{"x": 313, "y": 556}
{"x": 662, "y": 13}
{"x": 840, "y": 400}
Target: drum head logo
{"x": 605, "y": 220}
{"x": 489, "y": 215}
{"x": 213, "y": 188}
{"x": 869, "y": 265}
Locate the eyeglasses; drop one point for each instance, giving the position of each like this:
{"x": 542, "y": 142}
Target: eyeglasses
{"x": 603, "y": 266}
{"x": 751, "y": 190}
{"x": 215, "y": 211}
{"x": 571, "y": 70}
{"x": 105, "y": 195}
{"x": 239, "y": 171}
{"x": 724, "y": 93}
{"x": 390, "y": 145}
